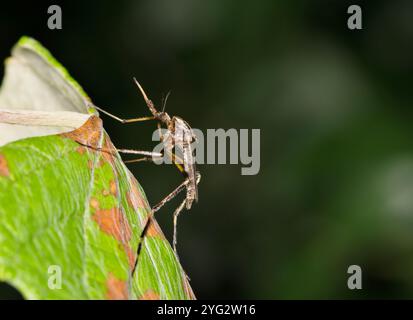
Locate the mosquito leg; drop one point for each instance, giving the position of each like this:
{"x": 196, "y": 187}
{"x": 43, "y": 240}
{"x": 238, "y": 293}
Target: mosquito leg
{"x": 160, "y": 131}
{"x": 148, "y": 101}
{"x": 124, "y": 120}
{"x": 176, "y": 214}
{"x": 198, "y": 177}
{"x": 132, "y": 151}
{"x": 141, "y": 152}
{"x": 126, "y": 151}
{"x": 141, "y": 238}
{"x": 139, "y": 160}
{"x": 169, "y": 197}
{"x": 177, "y": 161}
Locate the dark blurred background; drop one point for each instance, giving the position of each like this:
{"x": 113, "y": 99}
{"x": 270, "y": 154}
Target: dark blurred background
{"x": 334, "y": 108}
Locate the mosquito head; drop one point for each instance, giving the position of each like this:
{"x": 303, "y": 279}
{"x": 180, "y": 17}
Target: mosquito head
{"x": 163, "y": 117}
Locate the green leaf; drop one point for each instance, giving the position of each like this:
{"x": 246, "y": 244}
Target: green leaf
{"x": 65, "y": 207}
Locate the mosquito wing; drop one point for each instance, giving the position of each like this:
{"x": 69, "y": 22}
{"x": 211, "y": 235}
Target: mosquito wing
{"x": 190, "y": 169}
{"x": 183, "y": 137}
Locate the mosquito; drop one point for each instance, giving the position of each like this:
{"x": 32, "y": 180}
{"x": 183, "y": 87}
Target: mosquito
{"x": 179, "y": 138}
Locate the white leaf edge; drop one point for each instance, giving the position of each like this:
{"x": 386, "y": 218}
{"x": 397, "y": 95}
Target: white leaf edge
{"x": 38, "y": 97}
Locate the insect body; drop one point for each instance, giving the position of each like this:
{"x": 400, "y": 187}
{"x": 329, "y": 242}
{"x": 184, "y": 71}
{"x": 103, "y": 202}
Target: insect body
{"x": 180, "y": 136}
{"x": 177, "y": 140}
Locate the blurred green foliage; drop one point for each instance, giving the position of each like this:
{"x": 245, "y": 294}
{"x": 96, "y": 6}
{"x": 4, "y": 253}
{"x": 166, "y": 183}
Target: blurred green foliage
{"x": 334, "y": 109}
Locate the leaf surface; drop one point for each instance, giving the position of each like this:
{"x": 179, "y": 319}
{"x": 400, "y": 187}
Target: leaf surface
{"x": 66, "y": 206}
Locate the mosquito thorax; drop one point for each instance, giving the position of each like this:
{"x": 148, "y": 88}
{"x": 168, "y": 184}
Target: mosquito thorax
{"x": 163, "y": 117}
{"x": 182, "y": 124}
{"x": 183, "y": 128}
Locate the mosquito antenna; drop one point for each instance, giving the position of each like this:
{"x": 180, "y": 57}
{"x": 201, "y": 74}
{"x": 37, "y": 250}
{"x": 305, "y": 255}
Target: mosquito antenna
{"x": 165, "y": 100}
